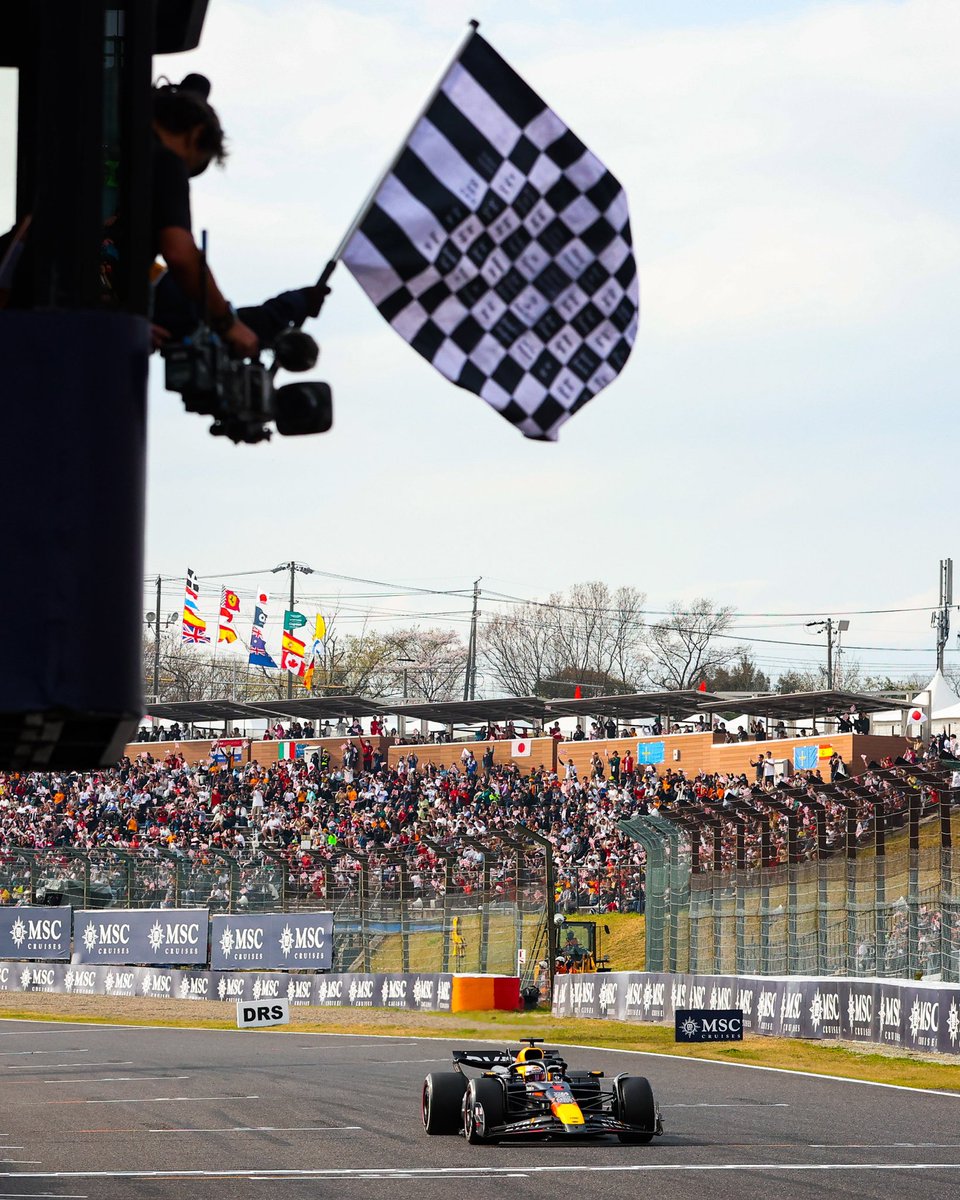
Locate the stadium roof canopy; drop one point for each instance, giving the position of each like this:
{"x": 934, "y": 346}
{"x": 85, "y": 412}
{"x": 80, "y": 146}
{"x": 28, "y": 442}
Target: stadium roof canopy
{"x": 795, "y": 706}
{"x": 198, "y": 712}
{"x": 469, "y": 712}
{"x": 637, "y": 704}
{"x": 195, "y": 712}
{"x": 318, "y": 708}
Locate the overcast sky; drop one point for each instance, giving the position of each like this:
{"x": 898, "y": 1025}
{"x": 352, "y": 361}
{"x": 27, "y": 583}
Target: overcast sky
{"x": 781, "y": 439}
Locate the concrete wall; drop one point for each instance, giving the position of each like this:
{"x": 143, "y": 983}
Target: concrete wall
{"x": 687, "y": 752}
{"x": 264, "y": 752}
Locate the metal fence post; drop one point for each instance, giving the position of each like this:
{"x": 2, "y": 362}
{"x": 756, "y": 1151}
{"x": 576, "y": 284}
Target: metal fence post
{"x": 447, "y": 859}
{"x": 913, "y": 886}
{"x": 653, "y": 842}
{"x": 948, "y": 915}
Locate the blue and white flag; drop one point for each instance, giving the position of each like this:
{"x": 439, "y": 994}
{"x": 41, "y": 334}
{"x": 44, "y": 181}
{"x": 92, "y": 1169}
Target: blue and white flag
{"x": 258, "y": 646}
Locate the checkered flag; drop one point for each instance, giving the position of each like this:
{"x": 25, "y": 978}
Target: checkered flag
{"x": 499, "y": 247}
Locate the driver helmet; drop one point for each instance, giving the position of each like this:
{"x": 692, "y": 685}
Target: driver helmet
{"x": 530, "y": 1065}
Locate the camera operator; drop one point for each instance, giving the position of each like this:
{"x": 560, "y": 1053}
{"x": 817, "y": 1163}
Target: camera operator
{"x": 188, "y": 135}
{"x": 187, "y": 138}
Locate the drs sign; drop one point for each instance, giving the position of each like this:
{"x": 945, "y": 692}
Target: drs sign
{"x": 254, "y": 1015}
{"x": 273, "y": 941}
{"x": 709, "y": 1025}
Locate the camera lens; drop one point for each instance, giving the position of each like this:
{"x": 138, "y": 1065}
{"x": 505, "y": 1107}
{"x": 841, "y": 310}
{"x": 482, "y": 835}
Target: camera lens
{"x": 305, "y": 407}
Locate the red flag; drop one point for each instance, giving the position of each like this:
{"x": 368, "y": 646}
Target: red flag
{"x": 577, "y": 693}
{"x": 703, "y": 686}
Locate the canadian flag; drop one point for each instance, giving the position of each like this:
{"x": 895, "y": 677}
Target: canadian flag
{"x": 292, "y": 655}
{"x": 916, "y": 716}
{"x": 522, "y": 748}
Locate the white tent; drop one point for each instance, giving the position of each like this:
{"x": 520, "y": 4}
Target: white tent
{"x": 938, "y": 698}
{"x": 939, "y": 694}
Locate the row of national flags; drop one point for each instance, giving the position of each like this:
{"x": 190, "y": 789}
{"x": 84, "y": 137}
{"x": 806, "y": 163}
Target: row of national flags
{"x": 294, "y": 656}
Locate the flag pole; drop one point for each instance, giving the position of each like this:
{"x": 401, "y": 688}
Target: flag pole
{"x": 328, "y": 270}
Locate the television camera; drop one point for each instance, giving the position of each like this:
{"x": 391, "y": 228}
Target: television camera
{"x": 241, "y": 396}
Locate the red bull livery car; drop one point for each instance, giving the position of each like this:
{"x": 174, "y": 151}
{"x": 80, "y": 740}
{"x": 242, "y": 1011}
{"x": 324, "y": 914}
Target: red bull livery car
{"x": 531, "y": 1093}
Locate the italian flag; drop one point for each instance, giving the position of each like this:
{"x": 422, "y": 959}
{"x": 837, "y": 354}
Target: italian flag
{"x": 289, "y": 750}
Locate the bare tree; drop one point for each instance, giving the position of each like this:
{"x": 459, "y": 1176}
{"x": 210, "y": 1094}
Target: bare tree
{"x": 686, "y": 645}
{"x": 517, "y": 647}
{"x": 847, "y": 676}
{"x": 434, "y": 659}
{"x": 589, "y": 632}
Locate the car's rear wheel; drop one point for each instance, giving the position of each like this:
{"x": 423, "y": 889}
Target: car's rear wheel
{"x": 483, "y": 1110}
{"x": 635, "y": 1106}
{"x": 440, "y": 1104}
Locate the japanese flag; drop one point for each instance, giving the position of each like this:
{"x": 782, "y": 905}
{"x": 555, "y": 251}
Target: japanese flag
{"x": 916, "y": 716}
{"x": 522, "y": 748}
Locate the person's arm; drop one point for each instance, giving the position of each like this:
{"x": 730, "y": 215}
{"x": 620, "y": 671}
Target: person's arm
{"x": 185, "y": 262}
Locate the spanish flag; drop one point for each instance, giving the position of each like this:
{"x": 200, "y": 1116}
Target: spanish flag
{"x": 229, "y": 608}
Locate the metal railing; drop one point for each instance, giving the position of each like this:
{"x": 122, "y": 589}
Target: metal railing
{"x": 455, "y": 905}
{"x": 872, "y": 891}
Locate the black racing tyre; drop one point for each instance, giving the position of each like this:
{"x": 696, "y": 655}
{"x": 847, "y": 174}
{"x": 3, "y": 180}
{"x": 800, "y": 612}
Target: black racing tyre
{"x": 483, "y": 1108}
{"x": 442, "y": 1100}
{"x": 635, "y": 1106}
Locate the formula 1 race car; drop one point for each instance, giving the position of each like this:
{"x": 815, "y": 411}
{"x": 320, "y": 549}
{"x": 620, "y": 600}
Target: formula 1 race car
{"x": 531, "y": 1093}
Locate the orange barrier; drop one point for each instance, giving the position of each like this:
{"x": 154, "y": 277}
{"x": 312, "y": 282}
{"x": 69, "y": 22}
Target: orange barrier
{"x": 471, "y": 993}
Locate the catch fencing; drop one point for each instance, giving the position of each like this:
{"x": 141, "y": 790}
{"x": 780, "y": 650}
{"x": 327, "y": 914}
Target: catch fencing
{"x": 457, "y": 905}
{"x": 750, "y": 889}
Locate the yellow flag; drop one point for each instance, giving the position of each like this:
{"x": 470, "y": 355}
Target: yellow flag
{"x": 308, "y": 677}
{"x": 321, "y": 629}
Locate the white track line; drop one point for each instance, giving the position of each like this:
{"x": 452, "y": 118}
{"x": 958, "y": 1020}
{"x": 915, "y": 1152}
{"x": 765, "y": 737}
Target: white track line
{"x": 372, "y": 1174}
{"x": 59, "y": 1050}
{"x": 392, "y": 1062}
{"x": 739, "y": 1104}
{"x": 71, "y": 1027}
{"x": 57, "y": 1066}
{"x": 152, "y": 1099}
{"x": 472, "y": 1171}
{"x": 265, "y": 1129}
{"x": 113, "y": 1078}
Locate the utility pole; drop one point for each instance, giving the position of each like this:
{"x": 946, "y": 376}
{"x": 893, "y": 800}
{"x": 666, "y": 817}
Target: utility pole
{"x": 830, "y": 625}
{"x": 293, "y": 568}
{"x": 470, "y": 677}
{"x": 940, "y": 617}
{"x": 156, "y": 649}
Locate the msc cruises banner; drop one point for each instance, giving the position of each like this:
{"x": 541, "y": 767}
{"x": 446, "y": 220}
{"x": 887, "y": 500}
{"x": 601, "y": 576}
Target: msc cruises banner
{"x": 140, "y": 935}
{"x": 912, "y": 1016}
{"x": 270, "y": 941}
{"x": 429, "y": 992}
{"x": 35, "y": 932}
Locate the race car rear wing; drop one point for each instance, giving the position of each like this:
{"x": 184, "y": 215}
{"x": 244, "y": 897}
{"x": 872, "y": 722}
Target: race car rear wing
{"x": 486, "y": 1060}
{"x": 483, "y": 1060}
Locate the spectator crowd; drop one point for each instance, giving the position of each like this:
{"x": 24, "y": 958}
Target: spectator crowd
{"x": 353, "y": 801}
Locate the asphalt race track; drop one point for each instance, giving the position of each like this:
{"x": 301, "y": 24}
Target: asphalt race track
{"x": 114, "y": 1111}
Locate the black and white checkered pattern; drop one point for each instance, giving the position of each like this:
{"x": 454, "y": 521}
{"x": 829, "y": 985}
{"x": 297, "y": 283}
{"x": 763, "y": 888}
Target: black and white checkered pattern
{"x": 499, "y": 248}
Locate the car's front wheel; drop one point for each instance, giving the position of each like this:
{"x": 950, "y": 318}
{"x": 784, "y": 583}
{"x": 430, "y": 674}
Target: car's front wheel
{"x": 483, "y": 1111}
{"x": 441, "y": 1101}
{"x": 635, "y": 1106}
